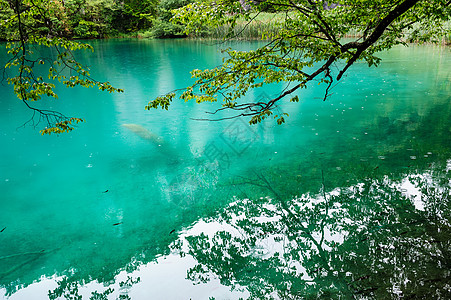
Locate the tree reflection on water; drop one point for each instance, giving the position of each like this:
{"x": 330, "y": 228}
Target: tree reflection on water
{"x": 375, "y": 239}
{"x": 378, "y": 228}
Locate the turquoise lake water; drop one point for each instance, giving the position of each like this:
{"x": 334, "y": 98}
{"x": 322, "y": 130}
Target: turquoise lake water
{"x": 349, "y": 198}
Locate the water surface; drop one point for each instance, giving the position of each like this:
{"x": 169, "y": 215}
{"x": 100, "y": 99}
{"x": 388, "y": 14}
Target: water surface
{"x": 114, "y": 194}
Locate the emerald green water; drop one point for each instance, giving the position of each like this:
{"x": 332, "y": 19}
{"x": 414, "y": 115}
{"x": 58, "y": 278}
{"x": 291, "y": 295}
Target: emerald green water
{"x": 328, "y": 191}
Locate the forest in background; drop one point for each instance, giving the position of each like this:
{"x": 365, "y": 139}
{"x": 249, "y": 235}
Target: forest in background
{"x": 97, "y": 19}
{"x": 87, "y": 19}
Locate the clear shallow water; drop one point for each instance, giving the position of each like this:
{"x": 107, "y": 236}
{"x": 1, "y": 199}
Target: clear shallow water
{"x": 390, "y": 121}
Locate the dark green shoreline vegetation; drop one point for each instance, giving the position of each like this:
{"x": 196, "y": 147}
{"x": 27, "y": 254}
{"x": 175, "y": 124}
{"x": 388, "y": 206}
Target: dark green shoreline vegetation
{"x": 96, "y": 19}
{"x": 99, "y": 19}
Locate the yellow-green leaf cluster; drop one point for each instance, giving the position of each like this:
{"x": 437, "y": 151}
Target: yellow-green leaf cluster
{"x": 61, "y": 127}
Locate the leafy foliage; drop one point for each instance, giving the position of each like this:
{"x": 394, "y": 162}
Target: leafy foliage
{"x": 92, "y": 18}
{"x": 309, "y": 45}
{"x": 163, "y": 27}
{"x": 134, "y": 15}
{"x": 33, "y": 27}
